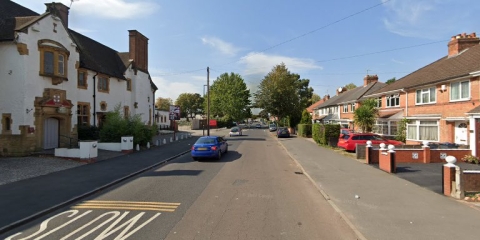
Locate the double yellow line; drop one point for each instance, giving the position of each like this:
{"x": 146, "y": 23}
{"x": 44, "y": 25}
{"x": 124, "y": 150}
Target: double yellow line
{"x": 141, "y": 206}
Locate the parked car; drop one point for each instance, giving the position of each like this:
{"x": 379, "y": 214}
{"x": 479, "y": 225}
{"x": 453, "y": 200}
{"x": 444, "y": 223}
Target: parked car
{"x": 209, "y": 147}
{"x": 283, "y": 132}
{"x": 258, "y": 125}
{"x": 349, "y": 141}
{"x": 344, "y": 131}
{"x": 272, "y": 127}
{"x": 236, "y": 131}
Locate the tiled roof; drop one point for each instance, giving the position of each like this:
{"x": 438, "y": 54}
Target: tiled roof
{"x": 443, "y": 69}
{"x": 351, "y": 95}
{"x": 316, "y": 104}
{"x": 98, "y": 57}
{"x": 475, "y": 110}
{"x": 125, "y": 56}
{"x": 8, "y": 12}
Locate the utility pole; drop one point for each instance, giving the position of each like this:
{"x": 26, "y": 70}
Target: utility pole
{"x": 208, "y": 101}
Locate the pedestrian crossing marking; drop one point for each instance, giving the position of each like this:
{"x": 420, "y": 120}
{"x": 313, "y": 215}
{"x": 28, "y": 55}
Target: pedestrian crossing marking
{"x": 145, "y": 206}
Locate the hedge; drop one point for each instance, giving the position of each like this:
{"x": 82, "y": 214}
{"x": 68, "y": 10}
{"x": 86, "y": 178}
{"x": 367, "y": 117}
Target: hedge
{"x": 305, "y": 130}
{"x": 326, "y": 134}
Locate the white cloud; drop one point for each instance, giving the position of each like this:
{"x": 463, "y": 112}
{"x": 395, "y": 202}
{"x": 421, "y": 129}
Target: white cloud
{"x": 397, "y": 61}
{"x": 430, "y": 19}
{"x": 220, "y": 45}
{"x": 115, "y": 9}
{"x": 170, "y": 88}
{"x": 261, "y": 63}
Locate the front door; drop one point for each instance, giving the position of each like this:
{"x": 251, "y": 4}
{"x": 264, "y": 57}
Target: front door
{"x": 50, "y": 133}
{"x": 461, "y": 133}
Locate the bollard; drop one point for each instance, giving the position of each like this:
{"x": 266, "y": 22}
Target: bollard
{"x": 158, "y": 142}
{"x": 176, "y": 138}
{"x": 148, "y": 145}
{"x": 171, "y": 139}
{"x": 164, "y": 141}
{"x": 138, "y": 147}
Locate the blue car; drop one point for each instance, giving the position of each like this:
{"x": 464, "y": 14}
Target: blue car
{"x": 209, "y": 147}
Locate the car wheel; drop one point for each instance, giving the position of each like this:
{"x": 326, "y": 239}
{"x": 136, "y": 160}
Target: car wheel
{"x": 219, "y": 156}
{"x": 226, "y": 149}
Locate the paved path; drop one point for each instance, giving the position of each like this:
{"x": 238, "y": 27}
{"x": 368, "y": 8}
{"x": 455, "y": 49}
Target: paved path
{"x": 387, "y": 207}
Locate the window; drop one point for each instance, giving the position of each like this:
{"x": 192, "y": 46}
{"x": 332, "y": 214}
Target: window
{"x": 83, "y": 113}
{"x": 6, "y": 123}
{"x": 126, "y": 111}
{"x": 82, "y": 80}
{"x": 393, "y": 100}
{"x": 103, "y": 84}
{"x": 48, "y": 62}
{"x": 103, "y": 106}
{"x": 352, "y": 107}
{"x": 129, "y": 84}
{"x": 379, "y": 102}
{"x": 460, "y": 91}
{"x": 423, "y": 130}
{"x": 425, "y": 96}
{"x": 386, "y": 127}
{"x": 345, "y": 108}
{"x": 53, "y": 58}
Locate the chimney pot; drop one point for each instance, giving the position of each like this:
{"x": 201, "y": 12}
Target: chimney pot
{"x": 462, "y": 42}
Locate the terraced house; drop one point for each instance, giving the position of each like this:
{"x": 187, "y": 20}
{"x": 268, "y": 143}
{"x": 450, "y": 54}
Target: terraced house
{"x": 54, "y": 79}
{"x": 441, "y": 100}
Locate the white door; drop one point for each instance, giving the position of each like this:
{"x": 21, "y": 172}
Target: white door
{"x": 50, "y": 133}
{"x": 461, "y": 133}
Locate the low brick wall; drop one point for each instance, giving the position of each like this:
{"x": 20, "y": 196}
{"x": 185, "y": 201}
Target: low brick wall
{"x": 435, "y": 154}
{"x": 387, "y": 161}
{"x": 471, "y": 180}
{"x": 423, "y": 155}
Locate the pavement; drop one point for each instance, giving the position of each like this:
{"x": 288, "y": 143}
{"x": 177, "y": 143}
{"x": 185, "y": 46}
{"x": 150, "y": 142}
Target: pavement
{"x": 375, "y": 204}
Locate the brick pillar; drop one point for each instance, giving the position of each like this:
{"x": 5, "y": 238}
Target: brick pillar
{"x": 387, "y": 160}
{"x": 448, "y": 175}
{"x": 426, "y": 154}
{"x": 368, "y": 153}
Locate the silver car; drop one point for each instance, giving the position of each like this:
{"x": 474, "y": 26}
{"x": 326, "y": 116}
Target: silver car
{"x": 272, "y": 127}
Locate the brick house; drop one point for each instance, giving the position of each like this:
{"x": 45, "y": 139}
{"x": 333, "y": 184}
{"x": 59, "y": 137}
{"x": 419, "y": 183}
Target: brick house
{"x": 311, "y": 108}
{"x": 440, "y": 100}
{"x": 54, "y": 79}
{"x": 340, "y": 108}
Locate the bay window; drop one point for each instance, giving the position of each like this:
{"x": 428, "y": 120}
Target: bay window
{"x": 423, "y": 130}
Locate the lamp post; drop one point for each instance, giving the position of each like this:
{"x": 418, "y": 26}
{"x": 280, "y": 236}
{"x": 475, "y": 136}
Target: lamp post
{"x": 208, "y": 101}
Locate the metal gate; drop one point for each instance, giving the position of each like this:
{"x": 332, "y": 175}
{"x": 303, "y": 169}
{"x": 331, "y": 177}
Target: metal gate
{"x": 50, "y": 133}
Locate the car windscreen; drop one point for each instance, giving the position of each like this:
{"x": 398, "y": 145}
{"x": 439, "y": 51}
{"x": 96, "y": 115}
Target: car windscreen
{"x": 205, "y": 141}
{"x": 234, "y": 130}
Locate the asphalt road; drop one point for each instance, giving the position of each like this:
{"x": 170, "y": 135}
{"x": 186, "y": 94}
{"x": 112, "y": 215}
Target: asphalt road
{"x": 256, "y": 191}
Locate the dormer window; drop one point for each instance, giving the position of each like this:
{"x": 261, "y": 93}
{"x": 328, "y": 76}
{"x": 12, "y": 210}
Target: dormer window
{"x": 393, "y": 100}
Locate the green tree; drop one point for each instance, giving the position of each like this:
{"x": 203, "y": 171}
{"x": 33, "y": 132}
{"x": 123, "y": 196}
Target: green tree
{"x": 315, "y": 98}
{"x": 284, "y": 95}
{"x": 230, "y": 98}
{"x": 350, "y": 86}
{"x": 306, "y": 117}
{"x": 163, "y": 103}
{"x": 190, "y": 104}
{"x": 391, "y": 80}
{"x": 366, "y": 115}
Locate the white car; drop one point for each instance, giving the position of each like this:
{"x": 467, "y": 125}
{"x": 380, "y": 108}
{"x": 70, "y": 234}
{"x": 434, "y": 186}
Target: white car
{"x": 236, "y": 131}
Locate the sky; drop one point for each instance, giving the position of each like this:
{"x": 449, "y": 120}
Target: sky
{"x": 331, "y": 43}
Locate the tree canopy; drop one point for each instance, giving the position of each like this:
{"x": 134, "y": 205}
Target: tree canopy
{"x": 366, "y": 114}
{"x": 229, "y": 97}
{"x": 163, "y": 103}
{"x": 315, "y": 98}
{"x": 283, "y": 94}
{"x": 350, "y": 86}
{"x": 391, "y": 80}
{"x": 190, "y": 104}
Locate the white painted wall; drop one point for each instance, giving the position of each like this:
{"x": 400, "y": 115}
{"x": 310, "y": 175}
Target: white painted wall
{"x": 21, "y": 83}
{"x": 165, "y": 114}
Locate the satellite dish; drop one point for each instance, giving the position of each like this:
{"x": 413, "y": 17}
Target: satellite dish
{"x": 340, "y": 89}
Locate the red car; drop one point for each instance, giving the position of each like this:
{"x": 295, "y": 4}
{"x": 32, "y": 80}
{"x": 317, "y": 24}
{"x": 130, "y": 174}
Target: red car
{"x": 349, "y": 141}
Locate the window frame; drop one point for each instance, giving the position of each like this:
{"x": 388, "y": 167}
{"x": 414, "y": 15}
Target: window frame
{"x": 85, "y": 106}
{"x": 395, "y": 98}
{"x": 85, "y": 83}
{"x": 424, "y": 91}
{"x": 379, "y": 102}
{"x": 460, "y": 91}
{"x": 417, "y": 124}
{"x": 352, "y": 107}
{"x": 100, "y": 84}
{"x": 345, "y": 108}
{"x": 129, "y": 84}
{"x": 59, "y": 61}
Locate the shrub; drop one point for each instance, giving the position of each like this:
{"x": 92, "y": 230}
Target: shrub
{"x": 86, "y": 132}
{"x": 326, "y": 134}
{"x": 305, "y": 130}
{"x": 471, "y": 159}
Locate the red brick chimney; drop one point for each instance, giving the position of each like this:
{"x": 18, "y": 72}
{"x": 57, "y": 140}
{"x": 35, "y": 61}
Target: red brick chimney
{"x": 461, "y": 42}
{"x": 59, "y": 10}
{"x": 370, "y": 79}
{"x": 138, "y": 49}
